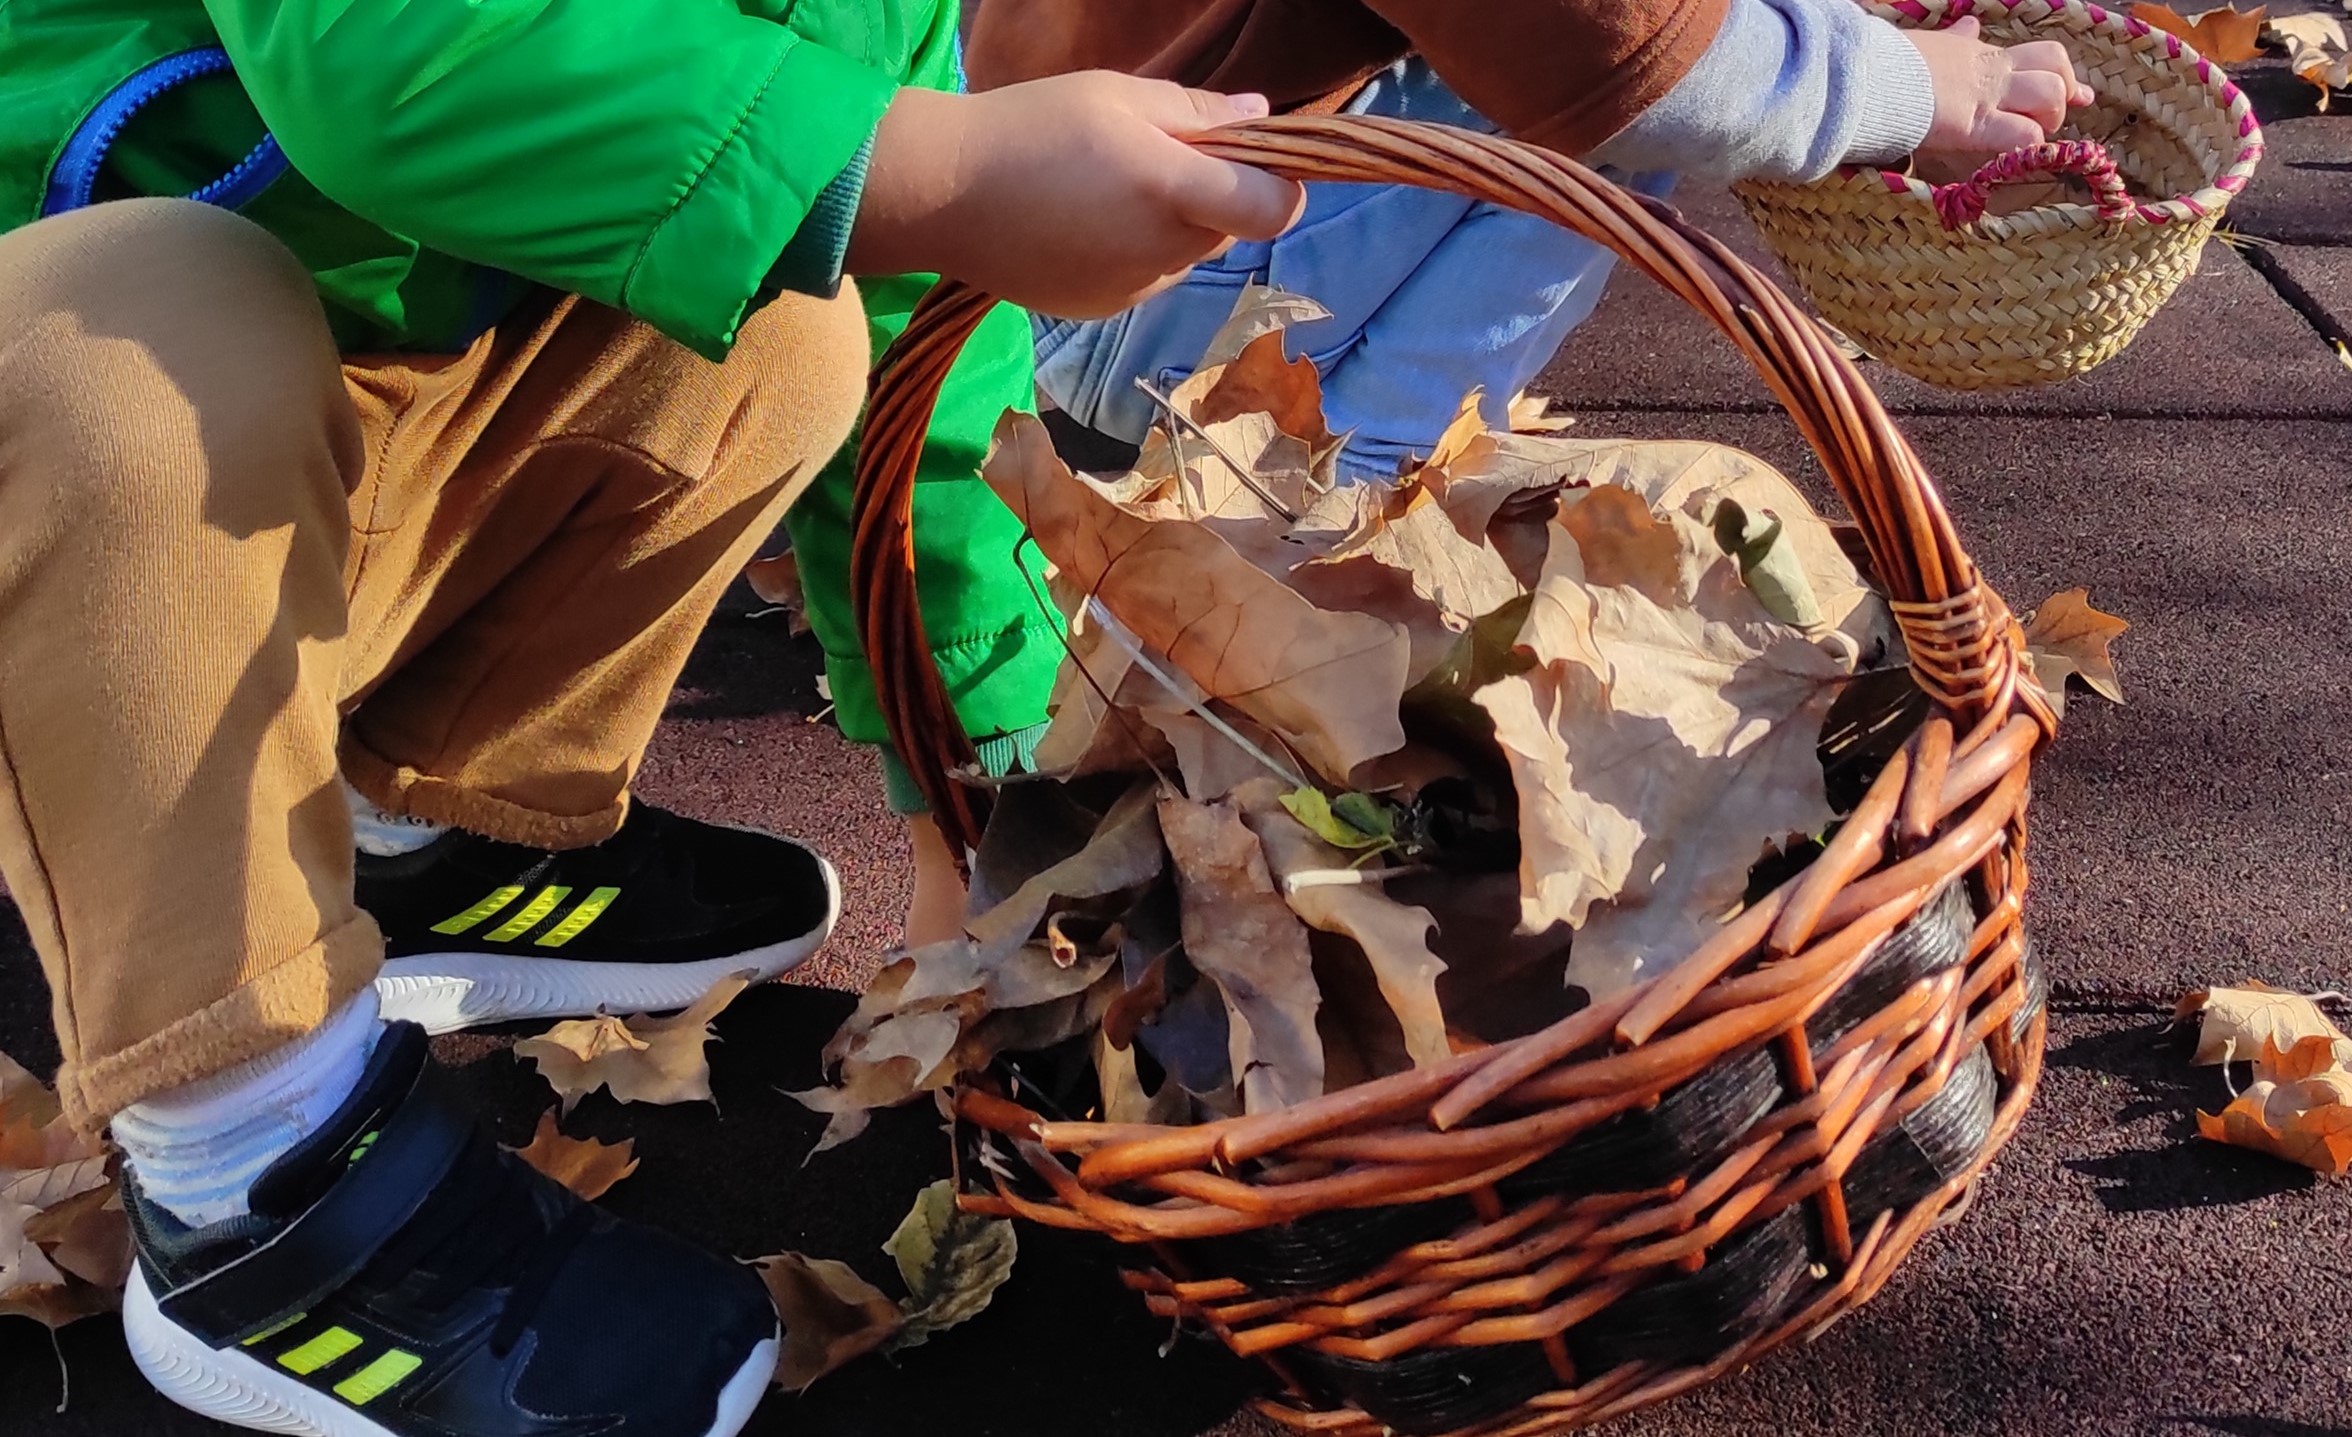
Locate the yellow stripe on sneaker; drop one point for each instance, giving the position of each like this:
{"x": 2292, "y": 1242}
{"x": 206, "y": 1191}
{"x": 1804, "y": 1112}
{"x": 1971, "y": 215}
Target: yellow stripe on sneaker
{"x": 378, "y": 1377}
{"x": 329, "y": 1346}
{"x": 459, "y": 922}
{"x": 542, "y": 903}
{"x": 577, "y": 921}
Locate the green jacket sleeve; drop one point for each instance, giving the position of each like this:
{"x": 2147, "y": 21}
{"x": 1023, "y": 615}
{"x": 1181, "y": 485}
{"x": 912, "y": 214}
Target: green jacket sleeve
{"x": 661, "y": 156}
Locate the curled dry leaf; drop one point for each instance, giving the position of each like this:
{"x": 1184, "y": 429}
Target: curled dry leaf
{"x": 65, "y": 1247}
{"x": 776, "y": 580}
{"x": 2067, "y": 638}
{"x": 586, "y": 1166}
{"x": 953, "y": 1263}
{"x": 2299, "y": 1108}
{"x": 831, "y": 1316}
{"x": 1656, "y": 749}
{"x": 640, "y": 1059}
{"x": 1326, "y": 683}
{"x": 2315, "y": 47}
{"x": 1242, "y": 937}
{"x": 2224, "y": 35}
{"x": 2236, "y": 1024}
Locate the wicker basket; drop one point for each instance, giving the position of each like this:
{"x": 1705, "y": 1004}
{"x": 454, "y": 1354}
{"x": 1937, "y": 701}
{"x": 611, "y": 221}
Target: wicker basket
{"x": 1925, "y": 279}
{"x": 1539, "y": 1234}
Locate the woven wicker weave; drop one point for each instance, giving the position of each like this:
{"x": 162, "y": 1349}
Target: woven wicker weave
{"x": 1542, "y": 1233}
{"x": 2051, "y": 290}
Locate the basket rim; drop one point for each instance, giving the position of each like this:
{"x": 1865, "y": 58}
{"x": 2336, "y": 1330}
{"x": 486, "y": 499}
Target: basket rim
{"x": 2202, "y": 205}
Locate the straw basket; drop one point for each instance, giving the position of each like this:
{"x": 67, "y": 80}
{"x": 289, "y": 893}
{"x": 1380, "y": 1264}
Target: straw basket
{"x": 2056, "y": 280}
{"x": 1536, "y": 1235}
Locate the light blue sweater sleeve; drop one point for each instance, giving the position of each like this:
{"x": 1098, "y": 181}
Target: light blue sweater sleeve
{"x": 1790, "y": 89}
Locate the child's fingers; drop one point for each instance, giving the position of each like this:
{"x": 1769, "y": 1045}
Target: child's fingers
{"x": 2038, "y": 96}
{"x": 2050, "y": 56}
{"x": 1232, "y": 199}
{"x": 2001, "y": 132}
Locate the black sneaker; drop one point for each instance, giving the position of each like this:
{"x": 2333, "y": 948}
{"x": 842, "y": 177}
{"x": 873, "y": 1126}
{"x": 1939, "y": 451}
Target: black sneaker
{"x": 400, "y": 1276}
{"x": 478, "y": 931}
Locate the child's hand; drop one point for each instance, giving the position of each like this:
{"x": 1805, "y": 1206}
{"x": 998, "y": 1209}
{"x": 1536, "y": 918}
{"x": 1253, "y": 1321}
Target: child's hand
{"x": 1990, "y": 99}
{"x": 1071, "y": 196}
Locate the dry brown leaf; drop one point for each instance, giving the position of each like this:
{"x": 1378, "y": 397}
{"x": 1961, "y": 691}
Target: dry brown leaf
{"x": 1656, "y": 751}
{"x": 1123, "y": 852}
{"x": 2224, "y": 35}
{"x": 1531, "y": 414}
{"x": 1327, "y": 683}
{"x": 1394, "y": 936}
{"x": 2315, "y": 48}
{"x": 902, "y": 1055}
{"x": 2239, "y": 1023}
{"x": 2066, "y": 636}
{"x": 776, "y": 580}
{"x": 588, "y": 1167}
{"x": 87, "y": 1236}
{"x": 47, "y": 1187}
{"x": 1242, "y": 937}
{"x": 831, "y": 1316}
{"x": 2299, "y": 1108}
{"x": 641, "y": 1059}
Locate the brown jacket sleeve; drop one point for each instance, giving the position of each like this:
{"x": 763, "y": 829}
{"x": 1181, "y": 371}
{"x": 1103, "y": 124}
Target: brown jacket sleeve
{"x": 1566, "y": 74}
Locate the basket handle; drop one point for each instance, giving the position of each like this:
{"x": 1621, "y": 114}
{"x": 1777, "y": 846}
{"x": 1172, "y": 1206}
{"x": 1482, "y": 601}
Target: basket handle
{"x": 1963, "y": 643}
{"x": 1962, "y": 203}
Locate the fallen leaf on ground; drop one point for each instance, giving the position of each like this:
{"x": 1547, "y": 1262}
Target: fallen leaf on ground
{"x": 2224, "y": 35}
{"x": 1531, "y": 414}
{"x": 2315, "y": 48}
{"x": 64, "y": 1242}
{"x": 831, "y": 1316}
{"x": 1242, "y": 937}
{"x": 586, "y": 1166}
{"x": 2068, "y": 638}
{"x": 2299, "y": 1108}
{"x": 776, "y": 580}
{"x": 953, "y": 1263}
{"x": 2239, "y": 1023}
{"x": 640, "y": 1059}
{"x": 1327, "y": 683}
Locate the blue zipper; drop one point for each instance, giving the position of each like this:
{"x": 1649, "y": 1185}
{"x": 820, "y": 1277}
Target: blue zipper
{"x": 75, "y": 179}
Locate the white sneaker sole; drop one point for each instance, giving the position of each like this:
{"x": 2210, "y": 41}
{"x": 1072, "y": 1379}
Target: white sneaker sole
{"x": 231, "y": 1387}
{"x": 444, "y": 992}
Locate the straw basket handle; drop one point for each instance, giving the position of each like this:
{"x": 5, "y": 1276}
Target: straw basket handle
{"x": 1962, "y": 203}
{"x": 1963, "y": 645}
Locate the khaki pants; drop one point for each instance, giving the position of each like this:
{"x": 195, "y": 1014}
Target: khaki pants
{"x": 234, "y": 564}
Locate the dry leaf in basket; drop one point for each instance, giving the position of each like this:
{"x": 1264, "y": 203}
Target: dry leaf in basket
{"x": 1575, "y": 683}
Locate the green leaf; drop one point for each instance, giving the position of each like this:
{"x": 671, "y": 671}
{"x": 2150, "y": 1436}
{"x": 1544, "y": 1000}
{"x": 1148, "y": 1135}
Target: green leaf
{"x": 1342, "y": 823}
{"x": 953, "y": 1263}
{"x": 1771, "y": 569}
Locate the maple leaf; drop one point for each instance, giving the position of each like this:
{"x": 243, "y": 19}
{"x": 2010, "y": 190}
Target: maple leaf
{"x": 2315, "y": 47}
{"x": 831, "y": 1316}
{"x": 2241, "y": 1022}
{"x": 1326, "y": 683}
{"x": 64, "y": 1243}
{"x": 1531, "y": 414}
{"x": 1243, "y": 938}
{"x": 640, "y": 1059}
{"x": 1393, "y": 936}
{"x": 2299, "y": 1108}
{"x": 952, "y": 1261}
{"x": 588, "y": 1167}
{"x": 1657, "y": 748}
{"x": 2067, "y": 638}
{"x": 2224, "y": 35}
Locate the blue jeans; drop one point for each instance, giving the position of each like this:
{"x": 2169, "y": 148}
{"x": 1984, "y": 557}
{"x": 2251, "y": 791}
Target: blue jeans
{"x": 1431, "y": 295}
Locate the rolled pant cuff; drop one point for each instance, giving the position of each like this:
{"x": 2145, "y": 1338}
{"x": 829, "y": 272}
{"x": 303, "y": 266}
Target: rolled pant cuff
{"x": 264, "y": 1014}
{"x": 398, "y": 789}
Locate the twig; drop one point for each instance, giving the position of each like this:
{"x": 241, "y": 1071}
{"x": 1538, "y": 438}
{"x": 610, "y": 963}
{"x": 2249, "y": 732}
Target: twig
{"x": 1117, "y": 633}
{"x": 1240, "y": 470}
{"x": 1111, "y": 709}
{"x": 1307, "y": 878}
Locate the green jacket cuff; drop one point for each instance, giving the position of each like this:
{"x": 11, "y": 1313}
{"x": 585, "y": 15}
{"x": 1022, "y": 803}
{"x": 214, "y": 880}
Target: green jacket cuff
{"x": 1004, "y": 753}
{"x": 704, "y": 267}
{"x": 812, "y": 260}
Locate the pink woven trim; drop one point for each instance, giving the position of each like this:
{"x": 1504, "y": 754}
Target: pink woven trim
{"x": 1963, "y": 204}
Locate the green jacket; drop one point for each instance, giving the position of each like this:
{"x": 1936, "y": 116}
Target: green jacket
{"x": 432, "y": 161}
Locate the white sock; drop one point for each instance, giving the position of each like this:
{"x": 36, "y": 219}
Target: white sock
{"x": 385, "y": 835}
{"x": 197, "y": 1149}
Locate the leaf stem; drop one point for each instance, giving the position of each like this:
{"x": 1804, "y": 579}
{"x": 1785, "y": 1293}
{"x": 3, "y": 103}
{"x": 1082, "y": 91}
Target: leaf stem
{"x": 1240, "y": 470}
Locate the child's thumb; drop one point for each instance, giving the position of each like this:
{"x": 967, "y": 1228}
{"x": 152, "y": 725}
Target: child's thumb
{"x": 1188, "y": 112}
{"x": 1966, "y": 27}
